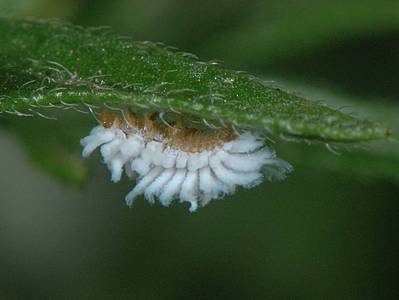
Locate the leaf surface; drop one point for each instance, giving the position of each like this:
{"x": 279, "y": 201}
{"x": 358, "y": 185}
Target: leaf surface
{"x": 55, "y": 64}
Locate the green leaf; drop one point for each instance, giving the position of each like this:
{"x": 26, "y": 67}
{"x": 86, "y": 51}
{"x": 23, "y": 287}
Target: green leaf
{"x": 49, "y": 64}
{"x": 378, "y": 160}
{"x": 345, "y": 43}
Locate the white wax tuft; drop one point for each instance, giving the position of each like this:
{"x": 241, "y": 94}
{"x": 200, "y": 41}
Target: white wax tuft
{"x": 167, "y": 174}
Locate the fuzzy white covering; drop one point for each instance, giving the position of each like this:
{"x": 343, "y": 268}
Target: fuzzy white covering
{"x": 166, "y": 174}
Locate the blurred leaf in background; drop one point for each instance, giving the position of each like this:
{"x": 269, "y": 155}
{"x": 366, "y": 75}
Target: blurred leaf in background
{"x": 351, "y": 44}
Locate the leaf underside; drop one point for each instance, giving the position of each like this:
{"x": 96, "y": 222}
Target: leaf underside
{"x": 45, "y": 64}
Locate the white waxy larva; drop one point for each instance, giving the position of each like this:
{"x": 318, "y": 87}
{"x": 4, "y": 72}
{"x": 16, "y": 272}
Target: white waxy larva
{"x": 189, "y": 190}
{"x": 210, "y": 186}
{"x": 181, "y": 160}
{"x": 109, "y": 150}
{"x": 173, "y": 187}
{"x": 140, "y": 165}
{"x": 132, "y": 147}
{"x": 164, "y": 171}
{"x": 95, "y": 139}
{"x": 245, "y": 143}
{"x": 143, "y": 184}
{"x": 155, "y": 188}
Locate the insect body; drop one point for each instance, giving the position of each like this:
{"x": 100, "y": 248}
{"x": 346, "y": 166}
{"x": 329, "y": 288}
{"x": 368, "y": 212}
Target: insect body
{"x": 174, "y": 162}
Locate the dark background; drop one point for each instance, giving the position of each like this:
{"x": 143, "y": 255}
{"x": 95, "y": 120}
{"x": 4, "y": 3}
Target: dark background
{"x": 330, "y": 231}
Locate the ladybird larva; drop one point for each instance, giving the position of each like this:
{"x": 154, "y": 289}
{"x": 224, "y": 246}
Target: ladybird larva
{"x": 174, "y": 162}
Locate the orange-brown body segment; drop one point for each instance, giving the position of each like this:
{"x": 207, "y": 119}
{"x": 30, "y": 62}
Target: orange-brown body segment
{"x": 175, "y": 136}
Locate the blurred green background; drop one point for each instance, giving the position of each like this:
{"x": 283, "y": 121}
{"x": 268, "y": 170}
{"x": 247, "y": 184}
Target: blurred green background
{"x": 330, "y": 231}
